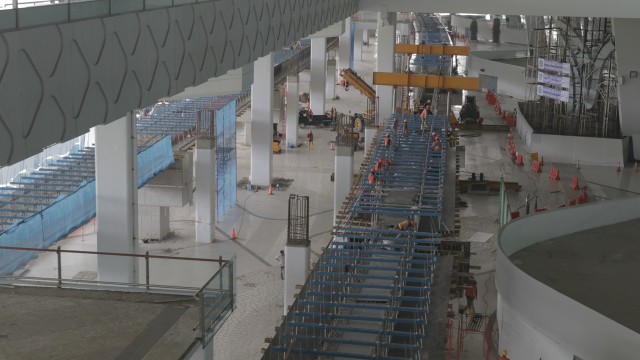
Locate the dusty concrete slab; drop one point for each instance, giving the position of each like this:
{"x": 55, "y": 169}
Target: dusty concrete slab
{"x": 37, "y": 324}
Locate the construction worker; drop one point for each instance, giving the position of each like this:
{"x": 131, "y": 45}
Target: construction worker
{"x": 471, "y": 293}
{"x": 372, "y": 177}
{"x": 280, "y": 259}
{"x": 310, "y": 139}
{"x": 387, "y": 140}
{"x": 436, "y": 145}
{"x": 405, "y": 225}
{"x": 503, "y": 355}
{"x": 378, "y": 165}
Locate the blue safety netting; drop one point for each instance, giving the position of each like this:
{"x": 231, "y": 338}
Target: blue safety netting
{"x": 154, "y": 159}
{"x": 226, "y": 164}
{"x": 71, "y": 210}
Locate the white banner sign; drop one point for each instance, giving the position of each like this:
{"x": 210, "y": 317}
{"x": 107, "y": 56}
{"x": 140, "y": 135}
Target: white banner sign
{"x": 552, "y": 65}
{"x": 554, "y": 80}
{"x": 552, "y": 93}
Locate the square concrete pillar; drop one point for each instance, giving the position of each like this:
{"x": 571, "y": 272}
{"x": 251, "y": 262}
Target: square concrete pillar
{"x": 153, "y": 223}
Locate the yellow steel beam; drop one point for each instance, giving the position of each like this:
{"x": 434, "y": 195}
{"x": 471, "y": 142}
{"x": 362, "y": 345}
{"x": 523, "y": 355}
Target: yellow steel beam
{"x": 432, "y": 49}
{"x": 427, "y": 81}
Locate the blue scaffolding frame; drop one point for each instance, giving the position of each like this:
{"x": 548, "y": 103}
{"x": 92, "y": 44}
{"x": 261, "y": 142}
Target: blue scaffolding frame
{"x": 370, "y": 273}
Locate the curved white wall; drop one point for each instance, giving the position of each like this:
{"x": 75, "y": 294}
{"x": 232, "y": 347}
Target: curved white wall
{"x": 536, "y": 321}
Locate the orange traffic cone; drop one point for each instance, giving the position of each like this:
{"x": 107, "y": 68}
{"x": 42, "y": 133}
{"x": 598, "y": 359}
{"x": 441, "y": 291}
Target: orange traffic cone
{"x": 234, "y": 236}
{"x": 270, "y": 190}
{"x": 574, "y": 183}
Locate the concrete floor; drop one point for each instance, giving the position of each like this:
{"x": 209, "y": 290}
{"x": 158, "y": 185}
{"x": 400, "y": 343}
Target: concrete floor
{"x": 594, "y": 267}
{"x": 64, "y": 324}
{"x": 260, "y": 220}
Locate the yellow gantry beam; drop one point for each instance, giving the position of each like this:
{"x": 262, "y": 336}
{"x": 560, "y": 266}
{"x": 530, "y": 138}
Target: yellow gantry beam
{"x": 426, "y": 81}
{"x": 432, "y": 49}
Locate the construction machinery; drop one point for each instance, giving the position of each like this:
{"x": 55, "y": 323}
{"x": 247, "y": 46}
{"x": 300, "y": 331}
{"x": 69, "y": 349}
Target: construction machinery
{"x": 469, "y": 114}
{"x": 352, "y": 79}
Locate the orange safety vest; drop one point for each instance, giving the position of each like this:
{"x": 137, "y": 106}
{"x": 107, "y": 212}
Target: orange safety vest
{"x": 405, "y": 225}
{"x": 471, "y": 292}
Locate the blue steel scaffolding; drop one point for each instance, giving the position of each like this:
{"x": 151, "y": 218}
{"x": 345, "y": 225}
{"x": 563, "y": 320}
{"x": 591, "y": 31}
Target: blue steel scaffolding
{"x": 368, "y": 295}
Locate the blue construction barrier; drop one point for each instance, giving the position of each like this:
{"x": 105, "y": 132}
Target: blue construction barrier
{"x": 69, "y": 211}
{"x": 226, "y": 159}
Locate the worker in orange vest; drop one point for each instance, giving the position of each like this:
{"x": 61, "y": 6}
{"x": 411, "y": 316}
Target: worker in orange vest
{"x": 471, "y": 293}
{"x": 372, "y": 177}
{"x": 503, "y": 356}
{"x": 405, "y": 225}
{"x": 405, "y": 126}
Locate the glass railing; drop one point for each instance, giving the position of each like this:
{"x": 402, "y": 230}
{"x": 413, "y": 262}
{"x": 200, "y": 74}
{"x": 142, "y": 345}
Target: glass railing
{"x": 217, "y": 300}
{"x": 25, "y": 13}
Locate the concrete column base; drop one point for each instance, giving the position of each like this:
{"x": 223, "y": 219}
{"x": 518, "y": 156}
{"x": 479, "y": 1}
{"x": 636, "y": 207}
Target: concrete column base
{"x": 153, "y": 223}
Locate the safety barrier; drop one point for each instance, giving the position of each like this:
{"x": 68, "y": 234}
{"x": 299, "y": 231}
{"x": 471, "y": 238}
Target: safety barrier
{"x": 74, "y": 204}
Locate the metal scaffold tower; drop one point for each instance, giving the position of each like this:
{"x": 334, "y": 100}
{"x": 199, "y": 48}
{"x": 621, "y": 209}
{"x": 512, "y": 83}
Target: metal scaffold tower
{"x": 589, "y": 105}
{"x": 368, "y": 295}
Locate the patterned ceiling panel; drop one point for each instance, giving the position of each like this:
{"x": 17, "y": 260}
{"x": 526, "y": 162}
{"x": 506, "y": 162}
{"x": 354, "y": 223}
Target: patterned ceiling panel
{"x": 58, "y": 81}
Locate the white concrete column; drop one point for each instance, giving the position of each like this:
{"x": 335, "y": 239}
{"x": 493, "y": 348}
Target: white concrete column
{"x": 318, "y": 76}
{"x": 343, "y": 178}
{"x": 296, "y": 268}
{"x": 205, "y": 196}
{"x": 247, "y": 132}
{"x": 117, "y": 199}
{"x": 262, "y": 121}
{"x": 292, "y": 112}
{"x": 365, "y": 36}
{"x": 369, "y": 134}
{"x": 627, "y": 54}
{"x": 385, "y": 59}
{"x": 403, "y": 32}
{"x": 331, "y": 79}
{"x": 357, "y": 44}
{"x": 278, "y": 109}
{"x": 344, "y": 46}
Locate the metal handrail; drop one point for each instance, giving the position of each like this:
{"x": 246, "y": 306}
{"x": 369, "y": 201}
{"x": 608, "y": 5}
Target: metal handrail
{"x": 146, "y": 256}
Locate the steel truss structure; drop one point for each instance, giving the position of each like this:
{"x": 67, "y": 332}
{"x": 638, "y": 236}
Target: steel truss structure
{"x": 588, "y": 45}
